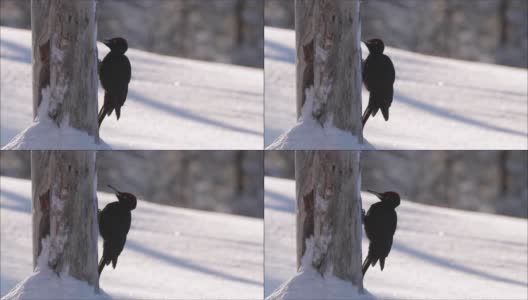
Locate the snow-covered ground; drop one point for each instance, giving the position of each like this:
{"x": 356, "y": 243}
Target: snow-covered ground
{"x": 171, "y": 253}
{"x": 46, "y": 284}
{"x": 309, "y": 134}
{"x": 439, "y": 103}
{"x": 309, "y": 284}
{"x": 44, "y": 134}
{"x": 438, "y": 253}
{"x": 172, "y": 103}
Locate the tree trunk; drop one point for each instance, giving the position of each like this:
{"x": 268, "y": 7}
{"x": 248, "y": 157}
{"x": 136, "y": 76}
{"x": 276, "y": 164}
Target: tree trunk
{"x": 503, "y": 172}
{"x": 328, "y": 36}
{"x": 65, "y": 211}
{"x": 65, "y": 63}
{"x": 503, "y": 22}
{"x": 239, "y": 22}
{"x": 329, "y": 210}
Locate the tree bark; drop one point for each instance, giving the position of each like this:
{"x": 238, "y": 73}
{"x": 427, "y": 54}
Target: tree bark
{"x": 65, "y": 76}
{"x": 329, "y": 210}
{"x": 65, "y": 211}
{"x": 328, "y": 37}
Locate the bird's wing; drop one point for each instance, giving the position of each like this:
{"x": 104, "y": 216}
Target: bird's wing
{"x": 115, "y": 71}
{"x": 121, "y": 96}
{"x": 392, "y": 71}
{"x": 112, "y": 222}
{"x": 366, "y": 74}
{"x": 380, "y": 221}
{"x": 128, "y": 70}
{"x": 127, "y": 222}
{"x": 394, "y": 223}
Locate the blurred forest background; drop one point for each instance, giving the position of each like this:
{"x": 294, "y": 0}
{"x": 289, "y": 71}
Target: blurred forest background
{"x": 227, "y": 31}
{"x": 484, "y": 181}
{"x": 223, "y": 181}
{"x": 492, "y": 31}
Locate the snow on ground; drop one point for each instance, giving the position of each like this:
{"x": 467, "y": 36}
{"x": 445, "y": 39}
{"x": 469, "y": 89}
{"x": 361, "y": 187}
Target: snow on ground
{"x": 172, "y": 103}
{"x": 438, "y": 253}
{"x": 309, "y": 284}
{"x": 44, "y": 134}
{"x": 170, "y": 252}
{"x": 439, "y": 103}
{"x": 309, "y": 134}
{"x": 45, "y": 284}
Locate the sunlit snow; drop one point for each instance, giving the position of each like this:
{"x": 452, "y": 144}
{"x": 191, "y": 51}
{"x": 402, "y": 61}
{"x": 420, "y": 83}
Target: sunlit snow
{"x": 171, "y": 253}
{"x": 438, "y": 253}
{"x": 438, "y": 103}
{"x": 172, "y": 103}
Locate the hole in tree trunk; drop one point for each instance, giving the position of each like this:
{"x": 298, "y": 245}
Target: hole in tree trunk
{"x": 308, "y": 224}
{"x": 44, "y": 224}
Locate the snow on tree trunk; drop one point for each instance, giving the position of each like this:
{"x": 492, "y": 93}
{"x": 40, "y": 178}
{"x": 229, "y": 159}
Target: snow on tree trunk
{"x": 328, "y": 37}
{"x": 328, "y": 209}
{"x": 65, "y": 76}
{"x": 65, "y": 210}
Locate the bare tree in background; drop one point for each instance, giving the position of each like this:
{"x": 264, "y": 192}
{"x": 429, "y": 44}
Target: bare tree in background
{"x": 65, "y": 63}
{"x": 328, "y": 36}
{"x": 239, "y": 171}
{"x": 329, "y": 210}
{"x": 65, "y": 212}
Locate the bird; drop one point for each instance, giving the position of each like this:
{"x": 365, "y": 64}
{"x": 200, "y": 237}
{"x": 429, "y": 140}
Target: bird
{"x": 114, "y": 224}
{"x": 114, "y": 73}
{"x": 380, "y": 225}
{"x": 378, "y": 78}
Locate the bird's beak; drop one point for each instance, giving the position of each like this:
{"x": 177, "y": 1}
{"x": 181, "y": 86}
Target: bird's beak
{"x": 373, "y": 192}
{"x": 107, "y": 43}
{"x": 368, "y": 44}
{"x": 113, "y": 188}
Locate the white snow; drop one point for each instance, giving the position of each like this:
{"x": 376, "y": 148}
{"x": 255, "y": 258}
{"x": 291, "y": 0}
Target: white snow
{"x": 438, "y": 253}
{"x": 309, "y": 284}
{"x": 309, "y": 134}
{"x": 46, "y": 284}
{"x": 44, "y": 134}
{"x": 173, "y": 103}
{"x": 439, "y": 103}
{"x": 171, "y": 253}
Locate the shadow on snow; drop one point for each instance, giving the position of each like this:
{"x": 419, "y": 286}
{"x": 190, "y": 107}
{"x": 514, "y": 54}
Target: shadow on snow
{"x": 188, "y": 115}
{"x": 179, "y": 262}
{"x": 20, "y": 53}
{"x": 18, "y": 203}
{"x": 451, "y": 115}
{"x": 452, "y": 265}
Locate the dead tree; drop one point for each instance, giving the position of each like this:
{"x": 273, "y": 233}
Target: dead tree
{"x": 65, "y": 63}
{"x": 65, "y": 212}
{"x": 328, "y": 36}
{"x": 329, "y": 210}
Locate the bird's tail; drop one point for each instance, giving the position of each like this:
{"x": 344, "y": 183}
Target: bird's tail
{"x": 366, "y": 264}
{"x": 385, "y": 113}
{"x": 101, "y": 265}
{"x": 105, "y": 110}
{"x": 101, "y": 116}
{"x": 366, "y": 115}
